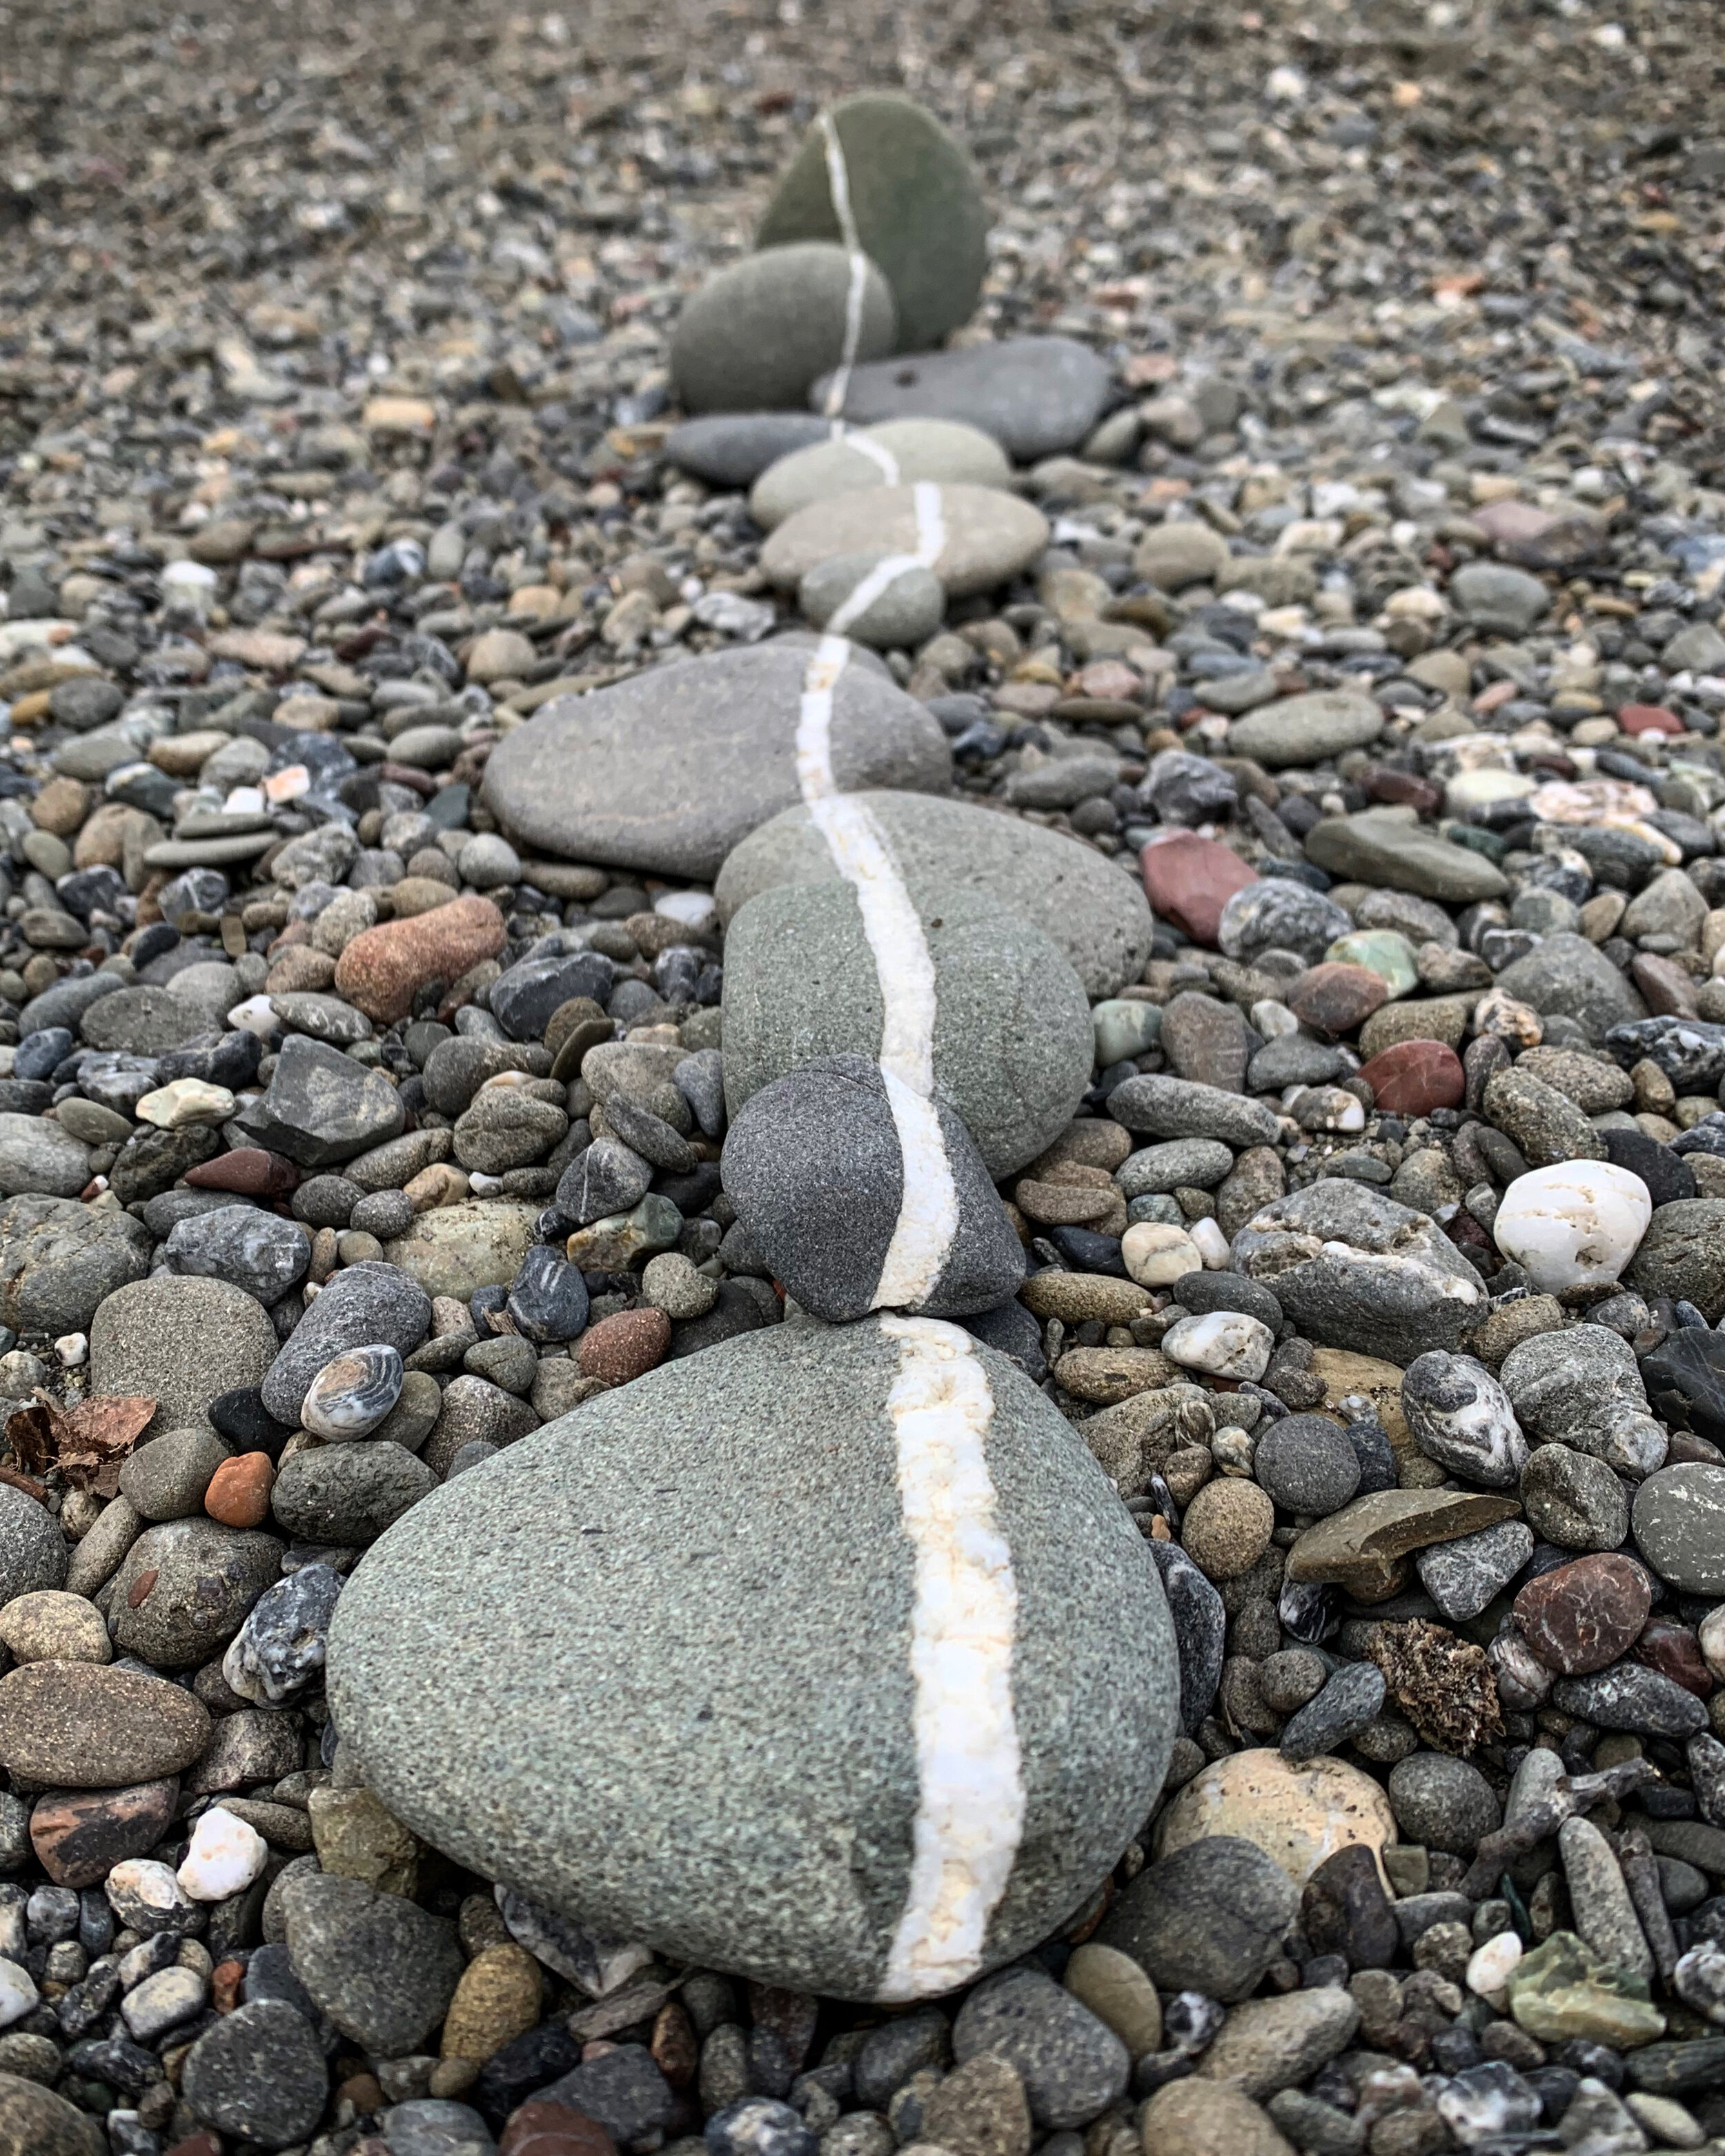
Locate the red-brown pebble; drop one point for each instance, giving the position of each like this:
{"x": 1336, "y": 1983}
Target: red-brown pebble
{"x": 623, "y": 1346}
{"x": 251, "y": 1171}
{"x": 1675, "y": 1652}
{"x": 383, "y": 969}
{"x": 538, "y": 2129}
{"x": 238, "y": 1493}
{"x": 1649, "y": 719}
{"x": 1404, "y": 787}
{"x": 1581, "y": 1616}
{"x": 79, "y": 1835}
{"x": 1189, "y": 880}
{"x": 1334, "y": 998}
{"x": 225, "y": 1981}
{"x": 1415, "y": 1077}
{"x": 197, "y": 2145}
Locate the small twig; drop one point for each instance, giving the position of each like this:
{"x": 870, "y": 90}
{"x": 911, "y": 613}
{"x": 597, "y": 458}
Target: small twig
{"x": 1569, "y": 1794}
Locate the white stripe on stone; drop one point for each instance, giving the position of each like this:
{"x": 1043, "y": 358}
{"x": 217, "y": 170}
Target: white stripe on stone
{"x": 928, "y": 1206}
{"x": 877, "y": 454}
{"x": 839, "y": 187}
{"x": 931, "y": 538}
{"x": 970, "y": 1810}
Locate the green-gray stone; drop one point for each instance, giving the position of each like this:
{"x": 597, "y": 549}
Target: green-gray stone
{"x": 1124, "y": 1029}
{"x": 1079, "y": 899}
{"x": 651, "y": 1665}
{"x": 1562, "y": 1989}
{"x": 906, "y": 612}
{"x": 916, "y": 203}
{"x": 1013, "y": 1040}
{"x": 1384, "y": 952}
{"x": 943, "y": 450}
{"x": 1389, "y": 852}
{"x": 758, "y": 333}
{"x": 1307, "y": 729}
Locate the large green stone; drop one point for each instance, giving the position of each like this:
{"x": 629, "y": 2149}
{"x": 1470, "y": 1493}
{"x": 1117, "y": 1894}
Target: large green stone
{"x": 1563, "y": 1989}
{"x": 917, "y": 205}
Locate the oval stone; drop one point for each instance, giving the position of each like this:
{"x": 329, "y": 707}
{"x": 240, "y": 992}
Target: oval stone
{"x": 1581, "y": 1617}
{"x": 1415, "y": 1076}
{"x": 791, "y": 1705}
{"x": 1679, "y": 1522}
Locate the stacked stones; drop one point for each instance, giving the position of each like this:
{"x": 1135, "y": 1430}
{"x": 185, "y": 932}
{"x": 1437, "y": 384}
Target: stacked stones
{"x": 766, "y": 1072}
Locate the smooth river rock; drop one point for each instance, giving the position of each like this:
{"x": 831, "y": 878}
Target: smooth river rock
{"x": 672, "y": 1554}
{"x": 669, "y": 771}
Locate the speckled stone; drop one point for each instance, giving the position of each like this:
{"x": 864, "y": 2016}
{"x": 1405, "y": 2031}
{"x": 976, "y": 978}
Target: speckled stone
{"x": 1013, "y": 1037}
{"x": 1081, "y": 902}
{"x": 680, "y": 1841}
{"x": 669, "y": 770}
{"x": 1680, "y": 1527}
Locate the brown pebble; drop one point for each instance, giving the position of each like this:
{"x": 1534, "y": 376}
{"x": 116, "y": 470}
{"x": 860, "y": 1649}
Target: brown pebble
{"x": 79, "y": 1836}
{"x": 225, "y": 1980}
{"x": 538, "y": 2129}
{"x": 238, "y": 1493}
{"x": 250, "y": 1171}
{"x": 1581, "y": 1616}
{"x": 1228, "y": 1527}
{"x": 1334, "y": 998}
{"x": 623, "y": 1346}
{"x": 383, "y": 968}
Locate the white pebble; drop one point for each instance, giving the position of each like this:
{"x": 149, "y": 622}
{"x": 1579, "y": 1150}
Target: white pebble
{"x": 73, "y": 1349}
{"x": 225, "y": 1855}
{"x": 19, "y": 1995}
{"x": 254, "y": 1015}
{"x": 1489, "y": 1967}
{"x": 1157, "y": 1254}
{"x": 1576, "y": 1225}
{"x": 185, "y": 1100}
{"x": 484, "y": 1186}
{"x": 1225, "y": 1343}
{"x": 693, "y": 909}
{"x": 1211, "y": 1245}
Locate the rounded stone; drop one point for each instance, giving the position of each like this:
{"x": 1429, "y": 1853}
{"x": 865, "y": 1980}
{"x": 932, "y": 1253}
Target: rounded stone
{"x": 1307, "y": 729}
{"x": 986, "y": 538}
{"x": 32, "y": 1549}
{"x": 1581, "y": 1617}
{"x": 1577, "y": 1224}
{"x": 349, "y": 1493}
{"x": 898, "y": 453}
{"x": 1156, "y": 1254}
{"x": 1209, "y": 1916}
{"x": 680, "y": 1840}
{"x": 183, "y": 1589}
{"x": 757, "y": 334}
{"x": 1227, "y": 1527}
{"x": 1680, "y": 1527}
{"x": 1415, "y": 1076}
{"x": 1035, "y": 395}
{"x": 1298, "y": 1815}
{"x": 350, "y": 1396}
{"x": 903, "y": 607}
{"x": 258, "y": 2074}
{"x": 89, "y": 1726}
{"x": 1574, "y": 1501}
{"x": 1225, "y": 1343}
{"x": 1117, "y": 1991}
{"x": 181, "y": 1340}
{"x": 1443, "y": 1802}
{"x": 669, "y": 771}
{"x": 1012, "y": 1034}
{"x": 60, "y": 1260}
{"x": 1080, "y": 901}
{"x": 912, "y": 200}
{"x": 1307, "y": 1465}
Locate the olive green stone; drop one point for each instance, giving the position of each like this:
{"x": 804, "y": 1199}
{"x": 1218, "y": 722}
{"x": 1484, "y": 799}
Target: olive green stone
{"x": 1562, "y": 1989}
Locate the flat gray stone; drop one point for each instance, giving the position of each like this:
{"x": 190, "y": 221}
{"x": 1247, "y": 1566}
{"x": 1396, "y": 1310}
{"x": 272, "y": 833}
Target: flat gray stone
{"x": 183, "y": 1589}
{"x": 371, "y": 1305}
{"x": 322, "y": 1107}
{"x": 669, "y": 771}
{"x": 1568, "y": 976}
{"x": 916, "y": 205}
{"x": 676, "y": 1544}
{"x": 814, "y": 1168}
{"x": 1308, "y": 729}
{"x": 1013, "y": 1039}
{"x": 731, "y": 450}
{"x": 757, "y": 333}
{"x": 988, "y": 537}
{"x": 1354, "y": 1270}
{"x": 58, "y": 1260}
{"x": 1393, "y": 855}
{"x": 1037, "y": 396}
{"x": 1679, "y": 1521}
{"x": 145, "y": 1021}
{"x": 181, "y": 1342}
{"x": 900, "y": 453}
{"x": 37, "y": 1156}
{"x": 382, "y": 1969}
{"x": 32, "y": 1550}
{"x": 1078, "y": 900}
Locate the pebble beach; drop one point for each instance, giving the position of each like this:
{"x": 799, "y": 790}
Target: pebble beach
{"x": 862, "y": 1081}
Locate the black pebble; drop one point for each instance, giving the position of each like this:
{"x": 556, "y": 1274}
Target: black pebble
{"x": 242, "y": 1417}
